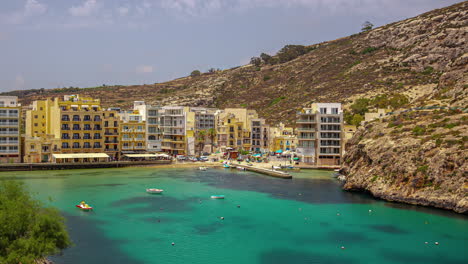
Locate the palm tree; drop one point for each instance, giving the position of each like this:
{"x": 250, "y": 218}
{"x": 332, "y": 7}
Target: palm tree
{"x": 201, "y": 135}
{"x": 212, "y": 134}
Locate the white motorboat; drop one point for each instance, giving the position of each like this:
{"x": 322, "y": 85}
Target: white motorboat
{"x": 154, "y": 190}
{"x": 202, "y": 168}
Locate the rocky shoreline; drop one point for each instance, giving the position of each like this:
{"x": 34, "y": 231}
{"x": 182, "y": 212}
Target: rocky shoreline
{"x": 416, "y": 158}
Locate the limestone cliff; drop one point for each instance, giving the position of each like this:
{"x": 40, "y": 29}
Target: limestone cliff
{"x": 417, "y": 157}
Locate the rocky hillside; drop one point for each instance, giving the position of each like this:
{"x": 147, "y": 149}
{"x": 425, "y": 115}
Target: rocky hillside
{"x": 417, "y": 157}
{"x": 423, "y": 58}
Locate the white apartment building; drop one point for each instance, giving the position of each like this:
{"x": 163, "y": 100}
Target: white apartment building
{"x": 10, "y": 142}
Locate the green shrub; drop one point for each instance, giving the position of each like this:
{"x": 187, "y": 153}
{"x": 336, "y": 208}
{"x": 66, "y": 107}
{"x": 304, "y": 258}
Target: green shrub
{"x": 368, "y": 50}
{"x": 28, "y": 230}
{"x": 419, "y": 130}
{"x": 374, "y": 178}
{"x": 427, "y": 70}
{"x": 276, "y": 100}
{"x": 422, "y": 169}
{"x": 266, "y": 77}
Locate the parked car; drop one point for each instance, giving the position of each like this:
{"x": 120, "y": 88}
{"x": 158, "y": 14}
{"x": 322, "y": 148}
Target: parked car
{"x": 203, "y": 158}
{"x": 181, "y": 157}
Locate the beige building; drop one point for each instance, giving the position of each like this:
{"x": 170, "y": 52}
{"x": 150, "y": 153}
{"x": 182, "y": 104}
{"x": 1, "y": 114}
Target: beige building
{"x": 10, "y": 128}
{"x": 320, "y": 134}
{"x": 234, "y": 126}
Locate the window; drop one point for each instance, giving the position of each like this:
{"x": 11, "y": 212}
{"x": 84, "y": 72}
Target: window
{"x": 33, "y": 146}
{"x": 35, "y": 124}
{"x": 334, "y": 111}
{"x": 87, "y": 145}
{"x": 86, "y": 136}
{"x": 323, "y": 110}
{"x": 65, "y": 145}
{"x": 35, "y": 116}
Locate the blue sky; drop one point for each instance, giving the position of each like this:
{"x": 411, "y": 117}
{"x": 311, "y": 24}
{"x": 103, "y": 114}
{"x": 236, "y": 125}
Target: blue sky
{"x": 85, "y": 43}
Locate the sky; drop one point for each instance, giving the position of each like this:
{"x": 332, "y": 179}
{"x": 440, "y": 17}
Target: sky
{"x": 87, "y": 43}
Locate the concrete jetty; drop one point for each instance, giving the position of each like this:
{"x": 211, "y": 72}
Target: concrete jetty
{"x": 273, "y": 173}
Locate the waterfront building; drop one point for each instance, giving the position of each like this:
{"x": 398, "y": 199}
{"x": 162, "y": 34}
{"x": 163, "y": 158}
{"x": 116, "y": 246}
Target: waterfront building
{"x": 282, "y": 138}
{"x": 111, "y": 124}
{"x": 41, "y": 137}
{"x": 10, "y": 124}
{"x": 132, "y": 132}
{"x": 204, "y": 127}
{"x": 172, "y": 123}
{"x": 150, "y": 114}
{"x": 81, "y": 129}
{"x": 234, "y": 128}
{"x": 260, "y": 133}
{"x": 320, "y": 132}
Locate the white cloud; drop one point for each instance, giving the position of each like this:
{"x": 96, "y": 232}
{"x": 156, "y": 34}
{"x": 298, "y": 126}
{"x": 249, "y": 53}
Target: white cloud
{"x": 123, "y": 11}
{"x": 31, "y": 8}
{"x": 86, "y": 9}
{"x": 19, "y": 82}
{"x": 144, "y": 69}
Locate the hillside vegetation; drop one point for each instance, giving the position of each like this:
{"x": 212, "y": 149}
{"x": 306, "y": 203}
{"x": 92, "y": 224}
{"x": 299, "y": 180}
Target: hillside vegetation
{"x": 422, "y": 58}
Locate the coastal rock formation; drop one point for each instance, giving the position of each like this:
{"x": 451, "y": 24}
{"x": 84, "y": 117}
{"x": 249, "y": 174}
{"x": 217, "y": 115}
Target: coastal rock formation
{"x": 417, "y": 157}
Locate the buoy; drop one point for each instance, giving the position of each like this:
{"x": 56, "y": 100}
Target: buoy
{"x": 238, "y": 206}
{"x": 222, "y": 217}
{"x": 300, "y": 209}
{"x": 338, "y": 214}
{"x": 173, "y": 243}
{"x": 342, "y": 247}
{"x": 426, "y": 243}
{"x": 437, "y": 243}
{"x": 370, "y": 211}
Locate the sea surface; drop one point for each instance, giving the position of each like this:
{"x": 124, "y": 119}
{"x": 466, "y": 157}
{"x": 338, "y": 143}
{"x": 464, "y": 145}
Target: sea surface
{"x": 308, "y": 219}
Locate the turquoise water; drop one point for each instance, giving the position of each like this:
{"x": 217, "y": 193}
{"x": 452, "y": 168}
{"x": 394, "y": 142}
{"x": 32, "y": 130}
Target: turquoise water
{"x": 304, "y": 220}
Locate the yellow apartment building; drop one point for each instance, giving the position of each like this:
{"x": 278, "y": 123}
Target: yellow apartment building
{"x": 81, "y": 128}
{"x": 232, "y": 133}
{"x": 132, "y": 132}
{"x": 41, "y": 139}
{"x": 111, "y": 126}
{"x": 283, "y": 138}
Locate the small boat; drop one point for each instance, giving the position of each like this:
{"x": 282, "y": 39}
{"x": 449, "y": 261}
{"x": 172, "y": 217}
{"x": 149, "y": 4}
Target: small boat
{"x": 217, "y": 196}
{"x": 276, "y": 167}
{"x": 154, "y": 191}
{"x": 336, "y": 170}
{"x": 240, "y": 168}
{"x": 202, "y": 168}
{"x": 84, "y": 206}
{"x": 226, "y": 166}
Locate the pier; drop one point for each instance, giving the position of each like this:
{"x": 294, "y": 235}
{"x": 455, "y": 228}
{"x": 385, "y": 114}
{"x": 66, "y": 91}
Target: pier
{"x": 273, "y": 173}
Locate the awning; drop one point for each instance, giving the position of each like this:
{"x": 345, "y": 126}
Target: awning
{"x": 257, "y": 155}
{"x": 80, "y": 155}
{"x": 75, "y": 106}
{"x": 142, "y": 155}
{"x": 85, "y": 106}
{"x": 279, "y": 151}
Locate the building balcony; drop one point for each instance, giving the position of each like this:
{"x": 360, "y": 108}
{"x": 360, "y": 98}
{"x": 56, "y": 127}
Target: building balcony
{"x": 111, "y": 142}
{"x": 139, "y": 147}
{"x": 9, "y": 142}
{"x": 126, "y": 139}
{"x": 9, "y": 151}
{"x": 65, "y": 128}
{"x": 127, "y": 147}
{"x": 310, "y": 129}
{"x": 9, "y": 124}
{"x": 97, "y": 146}
{"x": 305, "y": 138}
{"x": 9, "y": 132}
{"x": 111, "y": 134}
{"x": 313, "y": 121}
